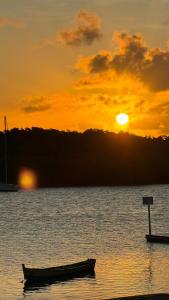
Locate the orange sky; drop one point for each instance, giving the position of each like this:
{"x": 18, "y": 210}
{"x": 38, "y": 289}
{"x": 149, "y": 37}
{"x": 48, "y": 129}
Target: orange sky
{"x": 77, "y": 64}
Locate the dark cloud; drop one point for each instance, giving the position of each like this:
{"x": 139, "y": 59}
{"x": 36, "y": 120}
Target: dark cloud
{"x": 36, "y": 108}
{"x": 156, "y": 71}
{"x": 99, "y": 63}
{"x": 111, "y": 100}
{"x": 36, "y": 105}
{"x": 86, "y": 31}
{"x": 133, "y": 56}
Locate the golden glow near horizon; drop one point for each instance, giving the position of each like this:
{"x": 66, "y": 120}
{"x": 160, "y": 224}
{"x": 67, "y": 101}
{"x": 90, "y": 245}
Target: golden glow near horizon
{"x": 27, "y": 179}
{"x": 72, "y": 74}
{"x": 122, "y": 119}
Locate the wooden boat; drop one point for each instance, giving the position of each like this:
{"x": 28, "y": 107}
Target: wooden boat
{"x": 41, "y": 284}
{"x": 157, "y": 239}
{"x": 62, "y": 272}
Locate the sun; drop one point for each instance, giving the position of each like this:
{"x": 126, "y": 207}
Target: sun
{"x": 122, "y": 119}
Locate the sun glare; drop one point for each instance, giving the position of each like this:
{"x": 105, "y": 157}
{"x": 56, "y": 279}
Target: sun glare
{"x": 27, "y": 179}
{"x": 122, "y": 119}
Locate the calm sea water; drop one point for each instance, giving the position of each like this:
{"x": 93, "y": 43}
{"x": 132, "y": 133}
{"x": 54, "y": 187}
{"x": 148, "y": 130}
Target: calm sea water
{"x": 49, "y": 227}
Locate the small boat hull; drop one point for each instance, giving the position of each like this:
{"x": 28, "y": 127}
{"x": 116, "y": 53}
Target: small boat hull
{"x": 35, "y": 285}
{"x": 8, "y": 187}
{"x": 58, "y": 273}
{"x": 157, "y": 239}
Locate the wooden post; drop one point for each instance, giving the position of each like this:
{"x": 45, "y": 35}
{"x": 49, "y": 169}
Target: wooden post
{"x": 148, "y": 201}
{"x": 5, "y": 150}
{"x": 149, "y": 219}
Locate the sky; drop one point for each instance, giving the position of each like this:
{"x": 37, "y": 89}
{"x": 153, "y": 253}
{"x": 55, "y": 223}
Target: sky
{"x": 76, "y": 64}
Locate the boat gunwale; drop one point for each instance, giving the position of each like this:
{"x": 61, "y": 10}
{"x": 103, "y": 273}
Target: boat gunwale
{"x": 66, "y": 271}
{"x": 84, "y": 263}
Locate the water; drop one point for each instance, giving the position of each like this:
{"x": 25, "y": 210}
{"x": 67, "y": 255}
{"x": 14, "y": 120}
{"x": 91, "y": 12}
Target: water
{"x": 49, "y": 227}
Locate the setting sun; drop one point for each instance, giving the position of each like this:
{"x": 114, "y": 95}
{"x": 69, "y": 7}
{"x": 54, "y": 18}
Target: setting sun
{"x": 122, "y": 119}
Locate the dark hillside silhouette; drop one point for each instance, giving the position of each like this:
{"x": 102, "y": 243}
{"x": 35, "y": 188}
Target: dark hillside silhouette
{"x": 91, "y": 158}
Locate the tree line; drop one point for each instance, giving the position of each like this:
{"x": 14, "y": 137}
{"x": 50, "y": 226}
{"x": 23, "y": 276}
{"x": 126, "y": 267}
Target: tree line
{"x": 91, "y": 158}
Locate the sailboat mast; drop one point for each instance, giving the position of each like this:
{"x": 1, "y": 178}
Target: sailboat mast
{"x": 5, "y": 150}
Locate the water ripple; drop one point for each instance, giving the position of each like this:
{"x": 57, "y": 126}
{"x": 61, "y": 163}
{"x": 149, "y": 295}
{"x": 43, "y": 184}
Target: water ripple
{"x": 56, "y": 226}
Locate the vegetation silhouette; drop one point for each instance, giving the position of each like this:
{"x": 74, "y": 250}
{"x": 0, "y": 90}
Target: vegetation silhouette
{"x": 91, "y": 158}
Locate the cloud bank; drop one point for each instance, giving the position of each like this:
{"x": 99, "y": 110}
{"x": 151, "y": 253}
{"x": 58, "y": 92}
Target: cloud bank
{"x": 133, "y": 57}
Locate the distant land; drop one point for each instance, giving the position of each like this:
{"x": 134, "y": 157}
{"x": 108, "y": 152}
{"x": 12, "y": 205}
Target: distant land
{"x": 91, "y": 158}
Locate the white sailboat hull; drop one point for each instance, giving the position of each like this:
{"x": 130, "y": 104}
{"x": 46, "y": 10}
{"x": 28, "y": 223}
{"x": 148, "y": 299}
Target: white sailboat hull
{"x": 8, "y": 187}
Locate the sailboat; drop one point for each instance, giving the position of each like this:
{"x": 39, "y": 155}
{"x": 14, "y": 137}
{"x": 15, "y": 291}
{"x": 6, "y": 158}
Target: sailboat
{"x": 5, "y": 186}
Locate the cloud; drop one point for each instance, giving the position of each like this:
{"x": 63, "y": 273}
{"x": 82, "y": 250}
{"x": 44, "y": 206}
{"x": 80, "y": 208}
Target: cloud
{"x": 36, "y": 108}
{"x": 86, "y": 31}
{"x": 109, "y": 100}
{"x": 163, "y": 108}
{"x": 156, "y": 70}
{"x": 99, "y": 63}
{"x": 35, "y": 105}
{"x": 133, "y": 57}
{"x": 10, "y": 22}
